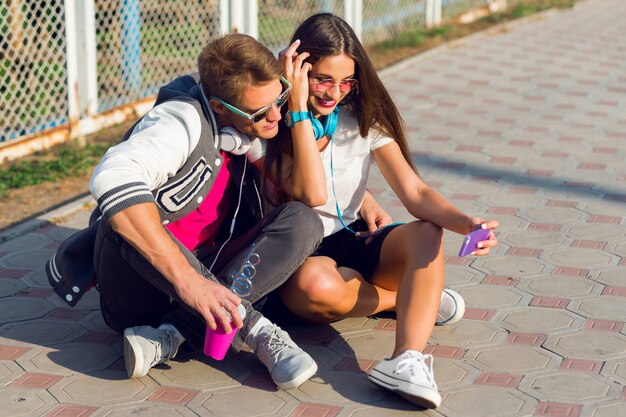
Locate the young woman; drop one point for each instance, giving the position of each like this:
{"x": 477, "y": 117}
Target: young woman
{"x": 355, "y": 272}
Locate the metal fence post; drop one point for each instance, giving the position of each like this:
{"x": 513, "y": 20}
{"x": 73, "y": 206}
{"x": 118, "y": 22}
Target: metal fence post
{"x": 131, "y": 44}
{"x": 252, "y": 19}
{"x": 224, "y": 13}
{"x": 87, "y": 76}
{"x": 71, "y": 60}
{"x": 237, "y": 16}
{"x": 433, "y": 13}
{"x": 353, "y": 12}
{"x": 244, "y": 17}
{"x": 80, "y": 32}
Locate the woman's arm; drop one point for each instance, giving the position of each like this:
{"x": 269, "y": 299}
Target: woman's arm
{"x": 303, "y": 175}
{"x": 419, "y": 199}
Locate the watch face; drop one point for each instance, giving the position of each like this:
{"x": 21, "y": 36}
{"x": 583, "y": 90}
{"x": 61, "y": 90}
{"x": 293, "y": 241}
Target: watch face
{"x": 288, "y": 119}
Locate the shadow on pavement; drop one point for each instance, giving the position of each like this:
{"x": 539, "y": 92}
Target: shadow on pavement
{"x": 572, "y": 185}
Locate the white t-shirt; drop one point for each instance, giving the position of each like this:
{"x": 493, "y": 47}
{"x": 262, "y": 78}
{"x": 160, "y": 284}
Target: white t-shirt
{"x": 351, "y": 155}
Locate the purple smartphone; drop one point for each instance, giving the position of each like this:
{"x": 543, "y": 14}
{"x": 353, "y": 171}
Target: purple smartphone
{"x": 471, "y": 239}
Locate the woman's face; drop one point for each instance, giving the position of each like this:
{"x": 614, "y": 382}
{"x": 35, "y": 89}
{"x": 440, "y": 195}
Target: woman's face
{"x": 335, "y": 69}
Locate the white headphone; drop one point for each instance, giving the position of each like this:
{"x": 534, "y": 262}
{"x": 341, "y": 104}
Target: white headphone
{"x": 234, "y": 141}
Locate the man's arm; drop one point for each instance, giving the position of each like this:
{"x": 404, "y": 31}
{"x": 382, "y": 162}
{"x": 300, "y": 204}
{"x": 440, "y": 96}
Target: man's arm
{"x": 140, "y": 226}
{"x": 122, "y": 183}
{"x": 158, "y": 147}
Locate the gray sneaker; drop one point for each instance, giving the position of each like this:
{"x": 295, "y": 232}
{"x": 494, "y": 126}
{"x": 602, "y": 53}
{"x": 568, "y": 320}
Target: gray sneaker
{"x": 409, "y": 375}
{"x": 145, "y": 346}
{"x": 451, "y": 308}
{"x": 289, "y": 365}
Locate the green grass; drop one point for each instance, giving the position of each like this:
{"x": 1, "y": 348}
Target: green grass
{"x": 69, "y": 160}
{"x": 528, "y": 7}
{"x": 416, "y": 37}
{"x": 522, "y": 10}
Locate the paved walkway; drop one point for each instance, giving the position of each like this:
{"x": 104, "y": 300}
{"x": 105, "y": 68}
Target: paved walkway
{"x": 526, "y": 124}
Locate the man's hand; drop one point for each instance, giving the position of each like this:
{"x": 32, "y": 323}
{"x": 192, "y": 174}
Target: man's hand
{"x": 141, "y": 226}
{"x": 211, "y": 300}
{"x": 373, "y": 214}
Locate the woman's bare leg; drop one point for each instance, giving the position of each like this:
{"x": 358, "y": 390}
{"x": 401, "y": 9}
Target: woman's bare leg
{"x": 321, "y": 292}
{"x": 412, "y": 258}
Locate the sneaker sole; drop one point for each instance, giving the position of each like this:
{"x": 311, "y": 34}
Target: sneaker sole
{"x": 133, "y": 362}
{"x": 458, "y": 313}
{"x": 300, "y": 379}
{"x": 423, "y": 396}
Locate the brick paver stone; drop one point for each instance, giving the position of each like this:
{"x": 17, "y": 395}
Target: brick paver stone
{"x": 524, "y": 124}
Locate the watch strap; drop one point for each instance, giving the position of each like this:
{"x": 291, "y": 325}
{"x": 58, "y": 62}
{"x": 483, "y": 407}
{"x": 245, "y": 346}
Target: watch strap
{"x": 298, "y": 116}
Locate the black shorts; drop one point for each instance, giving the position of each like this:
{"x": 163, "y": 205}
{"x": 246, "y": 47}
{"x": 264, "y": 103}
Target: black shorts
{"x": 351, "y": 251}
{"x": 344, "y": 248}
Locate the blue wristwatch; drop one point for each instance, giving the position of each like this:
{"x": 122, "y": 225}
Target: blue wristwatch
{"x": 291, "y": 118}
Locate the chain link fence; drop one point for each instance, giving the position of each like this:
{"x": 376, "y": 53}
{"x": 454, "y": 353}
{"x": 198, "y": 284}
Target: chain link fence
{"x": 142, "y": 44}
{"x": 454, "y": 8}
{"x": 384, "y": 20}
{"x": 33, "y": 79}
{"x": 138, "y": 45}
{"x": 381, "y": 19}
{"x": 278, "y": 19}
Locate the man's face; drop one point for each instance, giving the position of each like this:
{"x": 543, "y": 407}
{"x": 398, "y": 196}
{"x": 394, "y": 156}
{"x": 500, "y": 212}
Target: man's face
{"x": 255, "y": 97}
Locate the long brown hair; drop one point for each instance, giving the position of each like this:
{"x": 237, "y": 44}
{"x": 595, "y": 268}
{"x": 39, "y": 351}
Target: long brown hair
{"x": 323, "y": 35}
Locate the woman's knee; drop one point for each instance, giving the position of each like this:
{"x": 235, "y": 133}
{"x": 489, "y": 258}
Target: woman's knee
{"x": 317, "y": 290}
{"x": 422, "y": 244}
{"x": 427, "y": 231}
{"x": 422, "y": 234}
{"x": 322, "y": 286}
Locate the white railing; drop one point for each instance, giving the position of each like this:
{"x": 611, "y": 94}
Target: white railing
{"x": 69, "y": 68}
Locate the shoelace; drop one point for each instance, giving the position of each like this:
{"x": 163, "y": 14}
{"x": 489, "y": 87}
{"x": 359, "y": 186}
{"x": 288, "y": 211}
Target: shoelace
{"x": 411, "y": 364}
{"x": 158, "y": 351}
{"x": 167, "y": 341}
{"x": 275, "y": 343}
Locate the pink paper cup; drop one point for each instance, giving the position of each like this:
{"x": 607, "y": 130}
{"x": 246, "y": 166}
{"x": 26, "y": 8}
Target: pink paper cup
{"x": 217, "y": 342}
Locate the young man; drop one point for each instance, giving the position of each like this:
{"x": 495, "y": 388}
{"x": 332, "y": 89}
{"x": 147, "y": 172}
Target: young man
{"x": 178, "y": 216}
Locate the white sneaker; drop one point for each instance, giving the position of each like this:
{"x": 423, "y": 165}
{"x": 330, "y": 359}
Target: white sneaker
{"x": 145, "y": 346}
{"x": 451, "y": 308}
{"x": 289, "y": 365}
{"x": 409, "y": 375}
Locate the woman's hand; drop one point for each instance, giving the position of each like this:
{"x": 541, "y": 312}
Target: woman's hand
{"x": 303, "y": 170}
{"x": 484, "y": 247}
{"x": 373, "y": 214}
{"x": 297, "y": 73}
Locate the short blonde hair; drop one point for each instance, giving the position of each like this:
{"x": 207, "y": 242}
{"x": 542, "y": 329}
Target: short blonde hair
{"x": 230, "y": 64}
